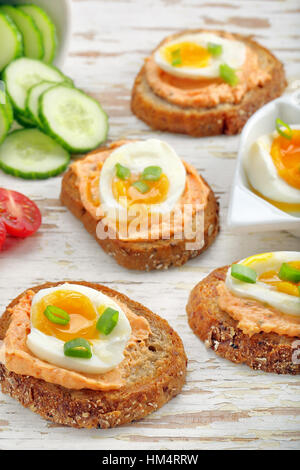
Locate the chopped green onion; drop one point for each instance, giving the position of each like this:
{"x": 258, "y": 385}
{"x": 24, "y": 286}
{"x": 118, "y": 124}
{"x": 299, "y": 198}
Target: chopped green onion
{"x": 78, "y": 347}
{"x": 243, "y": 273}
{"x": 141, "y": 186}
{"x": 279, "y": 124}
{"x": 214, "y": 49}
{"x": 288, "y": 273}
{"x": 176, "y": 57}
{"x": 107, "y": 321}
{"x": 56, "y": 315}
{"x": 228, "y": 75}
{"x": 122, "y": 172}
{"x": 152, "y": 173}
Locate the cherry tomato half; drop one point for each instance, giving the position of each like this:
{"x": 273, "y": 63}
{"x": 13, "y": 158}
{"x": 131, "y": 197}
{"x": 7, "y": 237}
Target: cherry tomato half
{"x": 2, "y": 234}
{"x": 20, "y": 215}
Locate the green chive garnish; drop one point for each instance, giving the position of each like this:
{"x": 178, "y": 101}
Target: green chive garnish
{"x": 151, "y": 173}
{"x": 214, "y": 49}
{"x": 122, "y": 172}
{"x": 228, "y": 75}
{"x": 141, "y": 186}
{"x": 243, "y": 273}
{"x": 287, "y": 135}
{"x": 288, "y": 273}
{"x": 107, "y": 321}
{"x": 56, "y": 315}
{"x": 78, "y": 347}
{"x": 176, "y": 57}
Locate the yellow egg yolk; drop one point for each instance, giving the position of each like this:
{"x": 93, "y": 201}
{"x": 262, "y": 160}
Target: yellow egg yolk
{"x": 187, "y": 54}
{"x": 83, "y": 316}
{"x": 157, "y": 193}
{"x": 283, "y": 206}
{"x": 285, "y": 154}
{"x": 271, "y": 278}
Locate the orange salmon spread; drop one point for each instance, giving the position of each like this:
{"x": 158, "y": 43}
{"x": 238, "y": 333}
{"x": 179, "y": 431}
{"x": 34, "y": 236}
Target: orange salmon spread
{"x": 88, "y": 171}
{"x": 254, "y": 317}
{"x": 206, "y": 92}
{"x": 17, "y": 357}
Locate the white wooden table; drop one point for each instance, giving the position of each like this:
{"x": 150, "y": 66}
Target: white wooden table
{"x": 222, "y": 406}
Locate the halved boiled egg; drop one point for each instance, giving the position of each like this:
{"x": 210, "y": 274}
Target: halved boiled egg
{"x": 269, "y": 287}
{"x": 84, "y": 307}
{"x": 196, "y": 55}
{"x": 146, "y": 172}
{"x": 273, "y": 169}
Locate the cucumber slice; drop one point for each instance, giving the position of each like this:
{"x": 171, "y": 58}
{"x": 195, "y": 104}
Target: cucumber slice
{"x": 30, "y": 154}
{"x": 5, "y": 103}
{"x": 12, "y": 38}
{"x": 23, "y": 73}
{"x": 23, "y": 120}
{"x": 74, "y": 119}
{"x": 32, "y": 100}
{"x": 4, "y": 123}
{"x": 46, "y": 27}
{"x": 32, "y": 37}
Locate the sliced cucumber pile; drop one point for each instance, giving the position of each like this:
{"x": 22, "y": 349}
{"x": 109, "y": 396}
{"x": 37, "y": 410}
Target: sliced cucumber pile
{"x": 11, "y": 37}
{"x": 58, "y": 118}
{"x": 74, "y": 119}
{"x": 32, "y": 37}
{"x": 20, "y": 75}
{"x": 30, "y": 154}
{"x": 46, "y": 28}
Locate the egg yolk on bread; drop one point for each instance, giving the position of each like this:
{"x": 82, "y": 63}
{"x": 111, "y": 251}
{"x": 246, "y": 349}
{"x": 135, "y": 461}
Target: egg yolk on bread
{"x": 83, "y": 316}
{"x": 157, "y": 192}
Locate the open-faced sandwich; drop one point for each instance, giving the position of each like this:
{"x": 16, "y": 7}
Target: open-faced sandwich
{"x": 205, "y": 83}
{"x": 144, "y": 205}
{"x": 84, "y": 355}
{"x": 250, "y": 312}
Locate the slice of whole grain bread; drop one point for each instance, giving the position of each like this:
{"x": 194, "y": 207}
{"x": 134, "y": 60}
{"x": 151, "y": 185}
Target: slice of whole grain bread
{"x": 141, "y": 255}
{"x": 269, "y": 352}
{"x": 157, "y": 375}
{"x": 200, "y": 122}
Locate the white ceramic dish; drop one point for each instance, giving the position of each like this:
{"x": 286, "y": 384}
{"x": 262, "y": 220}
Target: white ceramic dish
{"x": 247, "y": 211}
{"x": 60, "y": 13}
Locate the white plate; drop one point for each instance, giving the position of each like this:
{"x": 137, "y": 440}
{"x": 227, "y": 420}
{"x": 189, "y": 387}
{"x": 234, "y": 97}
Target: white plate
{"x": 60, "y": 13}
{"x": 247, "y": 211}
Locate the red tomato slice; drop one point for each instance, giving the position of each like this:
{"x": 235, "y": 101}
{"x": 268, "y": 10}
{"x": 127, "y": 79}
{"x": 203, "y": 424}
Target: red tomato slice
{"x": 2, "y": 234}
{"x": 20, "y": 215}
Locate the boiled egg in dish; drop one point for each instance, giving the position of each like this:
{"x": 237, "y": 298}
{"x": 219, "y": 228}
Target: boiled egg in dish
{"x": 146, "y": 172}
{"x": 272, "y": 166}
{"x": 84, "y": 307}
{"x": 197, "y": 55}
{"x": 271, "y": 278}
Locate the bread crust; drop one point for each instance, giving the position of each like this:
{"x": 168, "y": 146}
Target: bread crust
{"x": 97, "y": 409}
{"x": 146, "y": 255}
{"x": 269, "y": 352}
{"x": 200, "y": 122}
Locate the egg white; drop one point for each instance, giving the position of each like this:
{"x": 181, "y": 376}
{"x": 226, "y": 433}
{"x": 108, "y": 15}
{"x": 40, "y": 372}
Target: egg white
{"x": 108, "y": 351}
{"x": 233, "y": 54}
{"x": 137, "y": 156}
{"x": 260, "y": 291}
{"x": 262, "y": 173}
